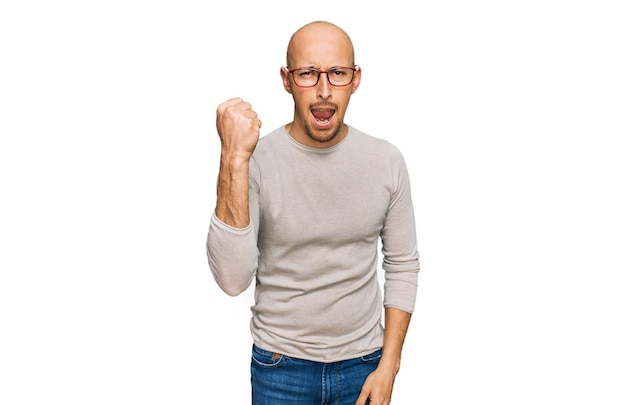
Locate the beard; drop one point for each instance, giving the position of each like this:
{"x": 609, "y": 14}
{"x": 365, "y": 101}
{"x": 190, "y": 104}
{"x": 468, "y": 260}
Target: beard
{"x": 322, "y": 136}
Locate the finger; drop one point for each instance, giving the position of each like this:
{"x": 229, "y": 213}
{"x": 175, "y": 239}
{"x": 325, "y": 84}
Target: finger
{"x": 361, "y": 399}
{"x": 234, "y": 100}
{"x": 223, "y": 106}
{"x": 243, "y": 106}
{"x": 236, "y": 104}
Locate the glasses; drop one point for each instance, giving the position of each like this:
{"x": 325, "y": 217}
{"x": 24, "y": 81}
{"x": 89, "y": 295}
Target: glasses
{"x": 309, "y": 77}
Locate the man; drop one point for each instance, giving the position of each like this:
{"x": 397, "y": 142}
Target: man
{"x": 301, "y": 212}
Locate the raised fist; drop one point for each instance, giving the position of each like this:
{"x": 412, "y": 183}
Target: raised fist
{"x": 238, "y": 128}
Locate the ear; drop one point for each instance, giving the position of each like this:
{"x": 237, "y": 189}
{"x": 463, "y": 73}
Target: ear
{"x": 356, "y": 81}
{"x": 284, "y": 74}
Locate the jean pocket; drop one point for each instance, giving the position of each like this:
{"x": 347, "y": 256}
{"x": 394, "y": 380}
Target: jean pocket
{"x": 374, "y": 356}
{"x": 263, "y": 358}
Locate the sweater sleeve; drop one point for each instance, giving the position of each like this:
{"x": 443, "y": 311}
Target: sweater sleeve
{"x": 399, "y": 243}
{"x": 232, "y": 254}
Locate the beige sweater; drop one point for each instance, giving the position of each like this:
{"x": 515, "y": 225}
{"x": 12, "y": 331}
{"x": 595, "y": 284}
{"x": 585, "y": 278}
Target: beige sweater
{"x": 317, "y": 217}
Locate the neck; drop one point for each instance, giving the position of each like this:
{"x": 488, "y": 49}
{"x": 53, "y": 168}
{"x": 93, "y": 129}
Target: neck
{"x": 316, "y": 139}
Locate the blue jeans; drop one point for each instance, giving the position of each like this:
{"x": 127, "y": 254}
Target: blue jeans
{"x": 281, "y": 380}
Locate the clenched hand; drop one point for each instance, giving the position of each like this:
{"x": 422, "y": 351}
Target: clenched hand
{"x": 238, "y": 127}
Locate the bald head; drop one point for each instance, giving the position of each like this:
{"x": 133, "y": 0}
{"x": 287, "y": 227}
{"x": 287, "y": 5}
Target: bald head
{"x": 315, "y": 37}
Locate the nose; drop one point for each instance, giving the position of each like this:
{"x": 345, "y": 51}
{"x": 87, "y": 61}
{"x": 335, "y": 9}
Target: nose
{"x": 323, "y": 87}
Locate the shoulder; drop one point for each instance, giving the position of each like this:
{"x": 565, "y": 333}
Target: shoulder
{"x": 270, "y": 149}
{"x": 270, "y": 139}
{"x": 270, "y": 145}
{"x": 374, "y": 145}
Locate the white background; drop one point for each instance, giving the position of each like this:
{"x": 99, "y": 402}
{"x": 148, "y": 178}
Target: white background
{"x": 510, "y": 114}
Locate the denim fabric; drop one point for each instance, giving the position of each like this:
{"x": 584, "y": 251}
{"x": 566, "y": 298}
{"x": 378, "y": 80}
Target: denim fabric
{"x": 282, "y": 380}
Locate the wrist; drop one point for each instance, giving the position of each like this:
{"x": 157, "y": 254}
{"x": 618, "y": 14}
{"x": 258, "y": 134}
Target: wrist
{"x": 390, "y": 364}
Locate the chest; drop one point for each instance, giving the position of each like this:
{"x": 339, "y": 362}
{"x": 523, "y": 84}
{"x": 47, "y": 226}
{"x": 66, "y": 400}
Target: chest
{"x": 333, "y": 203}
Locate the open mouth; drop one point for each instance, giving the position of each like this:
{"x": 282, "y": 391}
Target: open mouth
{"x": 323, "y": 116}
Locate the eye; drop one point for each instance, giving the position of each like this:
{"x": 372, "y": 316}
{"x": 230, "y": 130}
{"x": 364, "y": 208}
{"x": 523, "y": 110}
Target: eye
{"x": 339, "y": 72}
{"x": 306, "y": 73}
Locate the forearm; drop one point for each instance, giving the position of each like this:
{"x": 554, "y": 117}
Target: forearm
{"x": 379, "y": 385}
{"x": 396, "y": 327}
{"x": 232, "y": 204}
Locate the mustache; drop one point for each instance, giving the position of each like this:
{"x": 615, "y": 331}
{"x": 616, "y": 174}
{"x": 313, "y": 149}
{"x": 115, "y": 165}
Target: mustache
{"x": 324, "y": 104}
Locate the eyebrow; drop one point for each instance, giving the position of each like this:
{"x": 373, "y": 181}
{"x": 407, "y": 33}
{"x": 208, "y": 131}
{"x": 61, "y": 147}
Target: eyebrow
{"x": 317, "y": 68}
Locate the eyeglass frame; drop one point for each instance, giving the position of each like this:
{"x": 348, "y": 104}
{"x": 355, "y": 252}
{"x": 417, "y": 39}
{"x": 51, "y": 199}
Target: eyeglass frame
{"x": 354, "y": 69}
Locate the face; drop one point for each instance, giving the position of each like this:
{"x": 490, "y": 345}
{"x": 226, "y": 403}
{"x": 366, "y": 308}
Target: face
{"x": 319, "y": 110}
